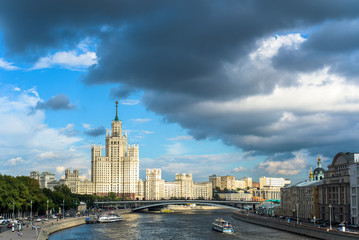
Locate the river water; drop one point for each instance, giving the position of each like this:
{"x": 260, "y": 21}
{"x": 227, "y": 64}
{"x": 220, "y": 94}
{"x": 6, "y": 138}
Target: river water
{"x": 186, "y": 225}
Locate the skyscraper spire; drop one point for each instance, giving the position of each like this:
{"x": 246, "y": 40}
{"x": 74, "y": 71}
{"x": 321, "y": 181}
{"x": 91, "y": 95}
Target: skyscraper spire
{"x": 116, "y": 118}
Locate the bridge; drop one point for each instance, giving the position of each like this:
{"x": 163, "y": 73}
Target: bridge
{"x": 150, "y": 204}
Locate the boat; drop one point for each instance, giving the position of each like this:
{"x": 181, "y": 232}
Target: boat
{"x": 221, "y": 225}
{"x": 109, "y": 217}
{"x": 167, "y": 211}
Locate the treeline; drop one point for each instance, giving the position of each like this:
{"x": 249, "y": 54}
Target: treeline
{"x": 16, "y": 194}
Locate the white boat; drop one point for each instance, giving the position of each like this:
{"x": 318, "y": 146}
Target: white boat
{"x": 109, "y": 217}
{"x": 221, "y": 225}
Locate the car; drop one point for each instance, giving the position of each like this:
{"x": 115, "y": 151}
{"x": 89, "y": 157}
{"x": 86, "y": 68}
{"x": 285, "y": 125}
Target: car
{"x": 9, "y": 225}
{"x": 38, "y": 219}
{"x": 353, "y": 226}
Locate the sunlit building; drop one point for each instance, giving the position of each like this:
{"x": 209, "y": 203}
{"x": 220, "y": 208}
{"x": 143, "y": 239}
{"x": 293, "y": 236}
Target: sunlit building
{"x": 118, "y": 170}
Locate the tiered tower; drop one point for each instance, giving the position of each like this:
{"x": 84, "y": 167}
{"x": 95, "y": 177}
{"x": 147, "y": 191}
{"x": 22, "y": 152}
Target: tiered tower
{"x": 118, "y": 171}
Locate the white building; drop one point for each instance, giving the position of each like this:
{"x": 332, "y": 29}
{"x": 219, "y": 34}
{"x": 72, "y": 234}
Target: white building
{"x": 118, "y": 170}
{"x": 154, "y": 185}
{"x": 272, "y": 182}
{"x": 44, "y": 178}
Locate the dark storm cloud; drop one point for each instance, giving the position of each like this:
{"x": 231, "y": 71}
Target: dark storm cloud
{"x": 334, "y": 44}
{"x": 58, "y": 102}
{"x": 122, "y": 91}
{"x": 182, "y": 55}
{"x": 95, "y": 132}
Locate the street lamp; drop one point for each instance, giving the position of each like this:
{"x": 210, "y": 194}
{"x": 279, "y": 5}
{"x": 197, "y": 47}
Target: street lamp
{"x": 31, "y": 213}
{"x": 47, "y": 211}
{"x": 13, "y": 210}
{"x": 330, "y": 216}
{"x": 63, "y": 205}
{"x": 297, "y": 213}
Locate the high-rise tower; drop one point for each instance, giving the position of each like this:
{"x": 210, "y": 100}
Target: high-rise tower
{"x": 118, "y": 171}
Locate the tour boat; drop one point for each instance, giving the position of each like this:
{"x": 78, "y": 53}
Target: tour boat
{"x": 109, "y": 217}
{"x": 221, "y": 225}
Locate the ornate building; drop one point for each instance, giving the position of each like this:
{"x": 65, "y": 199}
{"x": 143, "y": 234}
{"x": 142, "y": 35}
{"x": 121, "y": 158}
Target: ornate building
{"x": 303, "y": 197}
{"x": 118, "y": 170}
{"x": 335, "y": 191}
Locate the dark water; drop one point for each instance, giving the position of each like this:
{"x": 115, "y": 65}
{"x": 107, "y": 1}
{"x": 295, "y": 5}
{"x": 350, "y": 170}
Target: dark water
{"x": 197, "y": 225}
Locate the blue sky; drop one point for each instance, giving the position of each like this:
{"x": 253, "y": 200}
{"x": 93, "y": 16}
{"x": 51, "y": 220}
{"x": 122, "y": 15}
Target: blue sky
{"x": 231, "y": 88}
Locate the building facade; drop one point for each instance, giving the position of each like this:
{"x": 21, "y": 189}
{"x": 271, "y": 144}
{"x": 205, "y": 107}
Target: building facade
{"x": 228, "y": 182}
{"x": 215, "y": 180}
{"x": 45, "y": 178}
{"x": 334, "y": 193}
{"x": 118, "y": 170}
{"x": 154, "y": 185}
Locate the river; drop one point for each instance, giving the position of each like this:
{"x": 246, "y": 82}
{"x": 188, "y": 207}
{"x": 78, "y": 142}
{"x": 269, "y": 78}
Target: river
{"x": 186, "y": 225}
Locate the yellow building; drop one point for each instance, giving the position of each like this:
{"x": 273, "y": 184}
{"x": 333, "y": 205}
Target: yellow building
{"x": 228, "y": 182}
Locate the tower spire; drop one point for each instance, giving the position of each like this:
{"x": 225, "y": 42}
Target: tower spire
{"x": 116, "y": 118}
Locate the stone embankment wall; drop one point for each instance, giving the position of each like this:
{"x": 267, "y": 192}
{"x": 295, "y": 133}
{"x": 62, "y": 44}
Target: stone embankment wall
{"x": 310, "y": 231}
{"x": 58, "y": 226}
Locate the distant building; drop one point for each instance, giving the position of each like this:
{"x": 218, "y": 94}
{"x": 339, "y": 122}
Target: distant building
{"x": 228, "y": 182}
{"x": 255, "y": 185}
{"x": 216, "y": 181}
{"x": 44, "y": 178}
{"x": 240, "y": 184}
{"x": 335, "y": 191}
{"x": 154, "y": 185}
{"x": 303, "y": 197}
{"x": 269, "y": 188}
{"x": 247, "y": 181}
{"x": 235, "y": 196}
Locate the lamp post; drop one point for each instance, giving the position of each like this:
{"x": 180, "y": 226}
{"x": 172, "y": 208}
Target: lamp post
{"x": 297, "y": 213}
{"x": 63, "y": 205}
{"x": 330, "y": 216}
{"x": 13, "y": 210}
{"x": 47, "y": 211}
{"x": 31, "y": 213}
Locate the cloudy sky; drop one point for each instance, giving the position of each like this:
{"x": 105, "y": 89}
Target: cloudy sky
{"x": 242, "y": 88}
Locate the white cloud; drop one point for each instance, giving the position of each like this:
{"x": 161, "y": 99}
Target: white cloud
{"x": 270, "y": 46}
{"x": 60, "y": 169}
{"x": 201, "y": 166}
{"x": 70, "y": 60}
{"x": 129, "y": 102}
{"x": 15, "y": 161}
{"x": 7, "y": 65}
{"x": 287, "y": 167}
{"x": 24, "y": 134}
{"x": 86, "y": 126}
{"x": 141, "y": 120}
{"x": 240, "y": 169}
{"x": 181, "y": 138}
{"x": 48, "y": 155}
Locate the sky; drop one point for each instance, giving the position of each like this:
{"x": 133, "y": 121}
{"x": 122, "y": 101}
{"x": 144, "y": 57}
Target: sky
{"x": 243, "y": 88}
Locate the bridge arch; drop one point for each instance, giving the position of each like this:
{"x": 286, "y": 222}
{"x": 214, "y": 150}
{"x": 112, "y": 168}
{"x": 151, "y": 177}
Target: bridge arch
{"x": 183, "y": 203}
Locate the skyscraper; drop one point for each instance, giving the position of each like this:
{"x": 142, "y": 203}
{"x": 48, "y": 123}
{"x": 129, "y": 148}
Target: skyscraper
{"x": 118, "y": 170}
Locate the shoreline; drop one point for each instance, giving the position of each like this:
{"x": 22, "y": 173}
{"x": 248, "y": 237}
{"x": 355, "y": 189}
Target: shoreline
{"x": 300, "y": 229}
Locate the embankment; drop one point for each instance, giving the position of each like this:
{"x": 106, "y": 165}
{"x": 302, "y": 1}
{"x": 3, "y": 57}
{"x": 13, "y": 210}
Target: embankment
{"x": 50, "y": 228}
{"x": 310, "y": 231}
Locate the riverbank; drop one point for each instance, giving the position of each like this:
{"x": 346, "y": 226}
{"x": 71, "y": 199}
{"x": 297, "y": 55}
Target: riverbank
{"x": 302, "y": 229}
{"x": 192, "y": 207}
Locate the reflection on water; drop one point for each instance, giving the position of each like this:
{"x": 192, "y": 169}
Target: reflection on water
{"x": 185, "y": 225}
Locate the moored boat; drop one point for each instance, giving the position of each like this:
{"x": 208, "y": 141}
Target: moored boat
{"x": 221, "y": 225}
{"x": 109, "y": 217}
